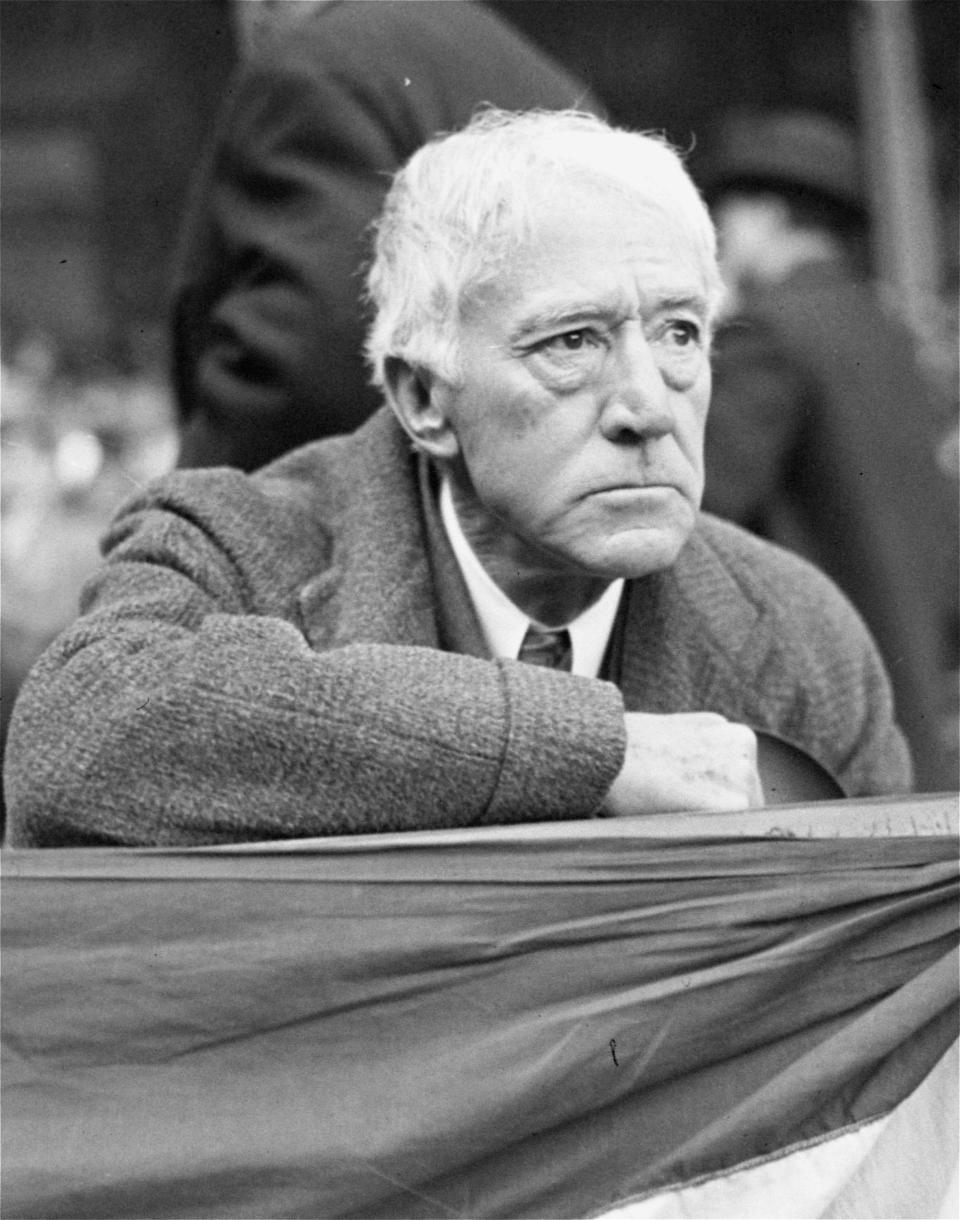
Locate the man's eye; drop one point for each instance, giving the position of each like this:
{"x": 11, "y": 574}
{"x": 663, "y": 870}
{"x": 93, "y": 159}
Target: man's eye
{"x": 683, "y": 333}
{"x": 573, "y": 340}
{"x": 570, "y": 341}
{"x": 570, "y": 359}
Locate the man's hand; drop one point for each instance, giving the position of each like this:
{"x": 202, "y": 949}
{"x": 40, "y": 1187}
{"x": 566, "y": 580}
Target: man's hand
{"x": 683, "y": 762}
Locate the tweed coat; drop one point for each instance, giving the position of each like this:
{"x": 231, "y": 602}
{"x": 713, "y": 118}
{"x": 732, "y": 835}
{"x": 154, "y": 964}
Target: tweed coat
{"x": 260, "y": 658}
{"x": 267, "y": 323}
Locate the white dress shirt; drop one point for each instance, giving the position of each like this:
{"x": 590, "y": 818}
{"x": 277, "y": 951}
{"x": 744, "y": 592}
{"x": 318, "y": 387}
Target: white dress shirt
{"x": 504, "y": 624}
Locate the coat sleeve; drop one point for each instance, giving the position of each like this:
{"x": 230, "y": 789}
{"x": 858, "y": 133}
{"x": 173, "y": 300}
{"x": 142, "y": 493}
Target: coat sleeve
{"x": 877, "y": 760}
{"x": 173, "y": 712}
{"x": 836, "y": 688}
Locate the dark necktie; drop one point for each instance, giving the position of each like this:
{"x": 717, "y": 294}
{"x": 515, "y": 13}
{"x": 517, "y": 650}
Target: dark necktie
{"x": 551, "y": 649}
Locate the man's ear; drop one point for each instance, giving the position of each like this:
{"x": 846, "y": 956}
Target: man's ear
{"x": 420, "y": 400}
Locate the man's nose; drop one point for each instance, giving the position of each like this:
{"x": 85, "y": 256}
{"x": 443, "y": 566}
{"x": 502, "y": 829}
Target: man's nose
{"x": 636, "y": 402}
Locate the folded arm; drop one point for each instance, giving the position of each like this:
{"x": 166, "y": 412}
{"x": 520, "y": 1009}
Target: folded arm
{"x": 174, "y": 712}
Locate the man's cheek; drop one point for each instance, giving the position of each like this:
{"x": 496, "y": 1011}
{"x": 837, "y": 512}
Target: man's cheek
{"x": 524, "y": 411}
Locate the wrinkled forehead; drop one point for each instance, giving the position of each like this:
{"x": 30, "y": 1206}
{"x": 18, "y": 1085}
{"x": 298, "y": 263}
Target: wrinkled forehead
{"x": 592, "y": 229}
{"x": 525, "y": 204}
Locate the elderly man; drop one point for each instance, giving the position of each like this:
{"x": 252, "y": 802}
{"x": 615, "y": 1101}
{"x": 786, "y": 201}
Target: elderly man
{"x": 338, "y": 643}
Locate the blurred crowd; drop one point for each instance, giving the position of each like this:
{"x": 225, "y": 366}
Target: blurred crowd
{"x": 73, "y": 447}
{"x": 817, "y": 382}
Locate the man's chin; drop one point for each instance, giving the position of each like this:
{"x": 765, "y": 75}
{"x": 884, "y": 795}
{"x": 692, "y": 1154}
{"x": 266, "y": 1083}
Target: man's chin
{"x": 638, "y": 553}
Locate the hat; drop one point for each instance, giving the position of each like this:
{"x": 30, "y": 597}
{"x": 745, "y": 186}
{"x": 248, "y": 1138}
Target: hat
{"x": 810, "y": 153}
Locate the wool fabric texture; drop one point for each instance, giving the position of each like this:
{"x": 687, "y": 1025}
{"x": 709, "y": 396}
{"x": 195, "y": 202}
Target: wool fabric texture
{"x": 260, "y": 658}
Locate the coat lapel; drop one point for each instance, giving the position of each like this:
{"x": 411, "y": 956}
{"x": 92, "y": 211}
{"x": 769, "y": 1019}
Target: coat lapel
{"x": 693, "y": 641}
{"x": 378, "y": 588}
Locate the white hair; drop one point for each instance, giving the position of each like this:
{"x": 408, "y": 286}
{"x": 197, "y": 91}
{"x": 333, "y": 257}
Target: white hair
{"x": 464, "y": 203}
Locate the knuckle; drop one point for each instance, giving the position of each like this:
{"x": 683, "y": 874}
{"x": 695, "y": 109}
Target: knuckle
{"x": 745, "y": 737}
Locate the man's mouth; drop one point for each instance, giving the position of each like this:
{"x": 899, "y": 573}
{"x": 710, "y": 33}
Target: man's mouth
{"x": 633, "y": 488}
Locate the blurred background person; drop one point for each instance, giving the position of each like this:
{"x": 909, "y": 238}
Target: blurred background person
{"x": 334, "y": 97}
{"x": 824, "y": 430}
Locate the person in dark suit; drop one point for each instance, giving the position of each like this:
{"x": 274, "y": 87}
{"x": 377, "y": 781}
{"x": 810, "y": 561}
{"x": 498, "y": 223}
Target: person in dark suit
{"x": 823, "y": 430}
{"x": 267, "y": 319}
{"x": 496, "y": 601}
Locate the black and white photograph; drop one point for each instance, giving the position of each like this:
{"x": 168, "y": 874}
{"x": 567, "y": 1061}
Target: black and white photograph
{"x": 480, "y": 609}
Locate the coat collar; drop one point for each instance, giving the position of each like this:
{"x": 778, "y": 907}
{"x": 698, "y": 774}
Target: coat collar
{"x": 694, "y": 639}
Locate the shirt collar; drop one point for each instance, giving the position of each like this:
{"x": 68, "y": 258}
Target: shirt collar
{"x": 504, "y": 624}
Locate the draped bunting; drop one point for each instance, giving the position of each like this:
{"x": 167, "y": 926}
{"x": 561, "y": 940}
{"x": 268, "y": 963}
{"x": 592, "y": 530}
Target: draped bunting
{"x": 551, "y": 1020}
